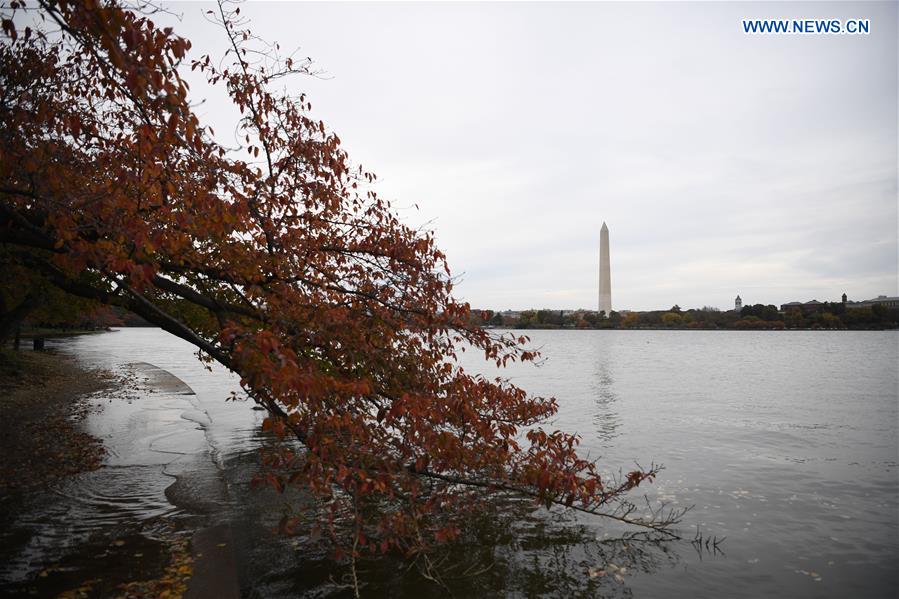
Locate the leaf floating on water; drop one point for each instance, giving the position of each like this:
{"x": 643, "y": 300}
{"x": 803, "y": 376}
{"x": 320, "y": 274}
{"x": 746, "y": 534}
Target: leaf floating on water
{"x": 813, "y": 575}
{"x": 596, "y": 572}
{"x": 118, "y": 542}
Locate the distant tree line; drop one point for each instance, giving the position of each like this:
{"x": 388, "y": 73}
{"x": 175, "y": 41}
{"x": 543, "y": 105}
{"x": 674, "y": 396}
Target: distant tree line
{"x": 754, "y": 317}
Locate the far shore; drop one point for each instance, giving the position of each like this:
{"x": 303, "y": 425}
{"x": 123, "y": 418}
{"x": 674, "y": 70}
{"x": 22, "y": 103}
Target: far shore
{"x": 51, "y": 333}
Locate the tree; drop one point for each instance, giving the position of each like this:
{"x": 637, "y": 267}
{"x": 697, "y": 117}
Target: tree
{"x": 631, "y": 320}
{"x": 24, "y": 295}
{"x": 671, "y": 319}
{"x": 527, "y": 318}
{"x": 279, "y": 261}
{"x": 793, "y": 318}
{"x": 550, "y": 317}
{"x": 828, "y": 320}
{"x": 480, "y": 317}
{"x": 762, "y": 312}
{"x": 18, "y": 298}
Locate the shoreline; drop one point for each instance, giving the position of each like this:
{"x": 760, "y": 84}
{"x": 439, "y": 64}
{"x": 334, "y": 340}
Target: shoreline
{"x": 44, "y": 397}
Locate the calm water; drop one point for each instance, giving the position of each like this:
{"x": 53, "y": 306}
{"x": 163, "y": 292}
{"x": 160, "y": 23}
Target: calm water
{"x": 784, "y": 442}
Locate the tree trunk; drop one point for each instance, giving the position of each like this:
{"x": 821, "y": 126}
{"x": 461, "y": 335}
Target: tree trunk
{"x": 10, "y": 321}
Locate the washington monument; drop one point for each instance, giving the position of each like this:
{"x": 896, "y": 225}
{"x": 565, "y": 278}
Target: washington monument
{"x": 605, "y": 274}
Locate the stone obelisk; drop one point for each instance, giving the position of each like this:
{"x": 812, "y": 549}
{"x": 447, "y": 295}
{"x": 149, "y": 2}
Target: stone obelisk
{"x": 605, "y": 272}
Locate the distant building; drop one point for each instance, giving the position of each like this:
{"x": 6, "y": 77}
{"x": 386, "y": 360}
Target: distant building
{"x": 880, "y": 300}
{"x": 809, "y": 306}
{"x": 816, "y": 306}
{"x": 813, "y": 305}
{"x": 738, "y": 304}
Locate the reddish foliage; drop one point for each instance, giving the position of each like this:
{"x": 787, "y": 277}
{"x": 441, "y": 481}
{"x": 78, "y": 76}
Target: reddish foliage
{"x": 278, "y": 261}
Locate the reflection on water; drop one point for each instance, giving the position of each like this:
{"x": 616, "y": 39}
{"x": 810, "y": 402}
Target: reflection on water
{"x": 507, "y": 551}
{"x": 603, "y": 386}
{"x": 54, "y": 524}
{"x": 785, "y": 443}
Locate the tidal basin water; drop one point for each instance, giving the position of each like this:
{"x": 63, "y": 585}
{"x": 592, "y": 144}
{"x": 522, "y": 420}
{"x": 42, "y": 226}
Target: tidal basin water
{"x": 784, "y": 442}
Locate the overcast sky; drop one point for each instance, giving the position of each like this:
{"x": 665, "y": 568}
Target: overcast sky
{"x": 723, "y": 163}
